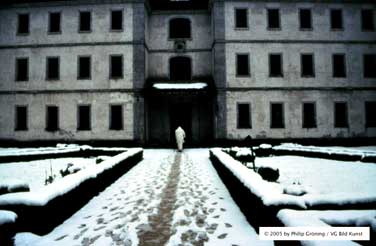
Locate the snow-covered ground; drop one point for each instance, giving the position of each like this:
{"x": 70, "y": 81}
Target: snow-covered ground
{"x": 178, "y": 198}
{"x": 34, "y": 173}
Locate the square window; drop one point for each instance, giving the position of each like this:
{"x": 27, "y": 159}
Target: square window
{"x": 370, "y": 113}
{"x": 242, "y": 65}
{"x": 339, "y": 66}
{"x": 277, "y": 115}
{"x": 116, "y": 66}
{"x": 275, "y": 65}
{"x": 340, "y": 115}
{"x": 53, "y": 72}
{"x": 309, "y": 115}
{"x": 84, "y": 118}
{"x": 23, "y": 26}
{"x": 84, "y": 67}
{"x": 85, "y": 21}
{"x": 116, "y": 20}
{"x": 52, "y": 118}
{"x": 273, "y": 19}
{"x": 241, "y": 18}
{"x": 244, "y": 116}
{"x": 336, "y": 21}
{"x": 305, "y": 19}
{"x": 22, "y": 69}
{"x": 21, "y": 118}
{"x": 369, "y": 66}
{"x": 116, "y": 117}
{"x": 308, "y": 67}
{"x": 367, "y": 20}
{"x": 54, "y": 24}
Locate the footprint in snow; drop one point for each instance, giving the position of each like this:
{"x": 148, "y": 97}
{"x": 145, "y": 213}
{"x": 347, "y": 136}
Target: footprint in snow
{"x": 228, "y": 225}
{"x": 223, "y": 210}
{"x": 60, "y": 238}
{"x": 222, "y": 236}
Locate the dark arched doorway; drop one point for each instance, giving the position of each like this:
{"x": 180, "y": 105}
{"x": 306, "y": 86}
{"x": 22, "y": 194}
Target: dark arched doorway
{"x": 180, "y": 68}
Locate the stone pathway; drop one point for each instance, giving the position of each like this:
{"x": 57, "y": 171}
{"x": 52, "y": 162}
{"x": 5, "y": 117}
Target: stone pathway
{"x": 169, "y": 198}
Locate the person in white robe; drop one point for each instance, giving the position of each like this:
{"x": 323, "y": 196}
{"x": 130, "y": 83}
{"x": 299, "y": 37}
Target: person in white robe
{"x": 180, "y": 136}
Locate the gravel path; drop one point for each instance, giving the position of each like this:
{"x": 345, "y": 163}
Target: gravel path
{"x": 169, "y": 199}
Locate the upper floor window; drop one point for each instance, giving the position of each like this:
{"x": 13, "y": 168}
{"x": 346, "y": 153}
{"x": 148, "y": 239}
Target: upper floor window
{"x": 274, "y": 21}
{"x": 339, "y": 65}
{"x": 307, "y": 65}
{"x": 180, "y": 68}
{"x": 242, "y": 65}
{"x": 275, "y": 65}
{"x": 85, "y": 21}
{"x": 22, "y": 69}
{"x": 370, "y": 113}
{"x": 241, "y": 18}
{"x": 23, "y": 25}
{"x": 180, "y": 28}
{"x": 305, "y": 19}
{"x": 54, "y": 23}
{"x": 116, "y": 20}
{"x": 116, "y": 66}
{"x": 336, "y": 19}
{"x": 84, "y": 67}
{"x": 53, "y": 68}
{"x": 369, "y": 66}
{"x": 367, "y": 20}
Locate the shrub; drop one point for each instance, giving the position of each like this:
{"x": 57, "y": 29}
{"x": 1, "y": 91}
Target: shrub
{"x": 268, "y": 173}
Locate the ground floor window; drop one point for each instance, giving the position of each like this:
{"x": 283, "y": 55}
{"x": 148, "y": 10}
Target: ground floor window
{"x": 340, "y": 115}
{"x": 370, "y": 112}
{"x": 116, "y": 117}
{"x": 84, "y": 118}
{"x": 52, "y": 118}
{"x": 277, "y": 115}
{"x": 21, "y": 118}
{"x": 116, "y": 66}
{"x": 244, "y": 115}
{"x": 309, "y": 115}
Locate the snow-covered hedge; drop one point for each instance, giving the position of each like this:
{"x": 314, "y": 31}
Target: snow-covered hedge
{"x": 57, "y": 201}
{"x": 7, "y": 223}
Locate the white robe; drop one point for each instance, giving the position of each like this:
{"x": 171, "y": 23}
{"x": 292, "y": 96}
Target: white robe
{"x": 179, "y": 135}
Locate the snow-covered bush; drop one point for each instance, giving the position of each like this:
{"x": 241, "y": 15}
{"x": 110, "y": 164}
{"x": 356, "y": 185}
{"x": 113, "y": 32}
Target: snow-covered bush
{"x": 244, "y": 155}
{"x": 69, "y": 169}
{"x": 295, "y": 190}
{"x": 268, "y": 173}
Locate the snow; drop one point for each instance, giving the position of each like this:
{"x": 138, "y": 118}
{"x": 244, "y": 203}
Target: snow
{"x": 42, "y": 196}
{"x": 7, "y": 217}
{"x": 180, "y": 86}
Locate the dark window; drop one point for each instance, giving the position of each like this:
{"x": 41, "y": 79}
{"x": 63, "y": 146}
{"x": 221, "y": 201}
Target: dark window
{"x": 309, "y": 115}
{"x": 53, "y": 72}
{"x": 180, "y": 28}
{"x": 368, "y": 23}
{"x": 84, "y": 118}
{"x": 84, "y": 67}
{"x": 340, "y": 115}
{"x": 308, "y": 66}
{"x": 85, "y": 22}
{"x": 116, "y": 20}
{"x": 244, "y": 116}
{"x": 116, "y": 66}
{"x": 273, "y": 19}
{"x": 21, "y": 118}
{"x": 339, "y": 66}
{"x": 336, "y": 21}
{"x": 242, "y": 65}
{"x": 241, "y": 18}
{"x": 370, "y": 108}
{"x": 305, "y": 19}
{"x": 54, "y": 25}
{"x": 180, "y": 68}
{"x": 277, "y": 116}
{"x": 275, "y": 65}
{"x": 52, "y": 118}
{"x": 369, "y": 66}
{"x": 116, "y": 117}
{"x": 23, "y": 24}
{"x": 22, "y": 69}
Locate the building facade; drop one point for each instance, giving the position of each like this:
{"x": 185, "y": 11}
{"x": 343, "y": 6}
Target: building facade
{"x": 134, "y": 70}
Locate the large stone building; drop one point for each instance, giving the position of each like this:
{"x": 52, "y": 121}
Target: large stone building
{"x": 133, "y": 70}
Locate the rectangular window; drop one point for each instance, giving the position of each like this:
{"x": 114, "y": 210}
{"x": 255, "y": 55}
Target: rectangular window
{"x": 22, "y": 69}
{"x": 370, "y": 108}
{"x": 242, "y": 65}
{"x": 116, "y": 20}
{"x": 244, "y": 116}
{"x": 336, "y": 20}
{"x": 367, "y": 20}
{"x": 52, "y": 118}
{"x": 241, "y": 18}
{"x": 53, "y": 70}
{"x": 275, "y": 65}
{"x": 309, "y": 115}
{"x": 54, "y": 23}
{"x": 339, "y": 65}
{"x": 307, "y": 65}
{"x": 85, "y": 21}
{"x": 116, "y": 117}
{"x": 305, "y": 19}
{"x": 340, "y": 115}
{"x": 369, "y": 66}
{"x": 277, "y": 115}
{"x": 21, "y": 118}
{"x": 116, "y": 66}
{"x": 23, "y": 26}
{"x": 84, "y": 67}
{"x": 273, "y": 19}
{"x": 84, "y": 118}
